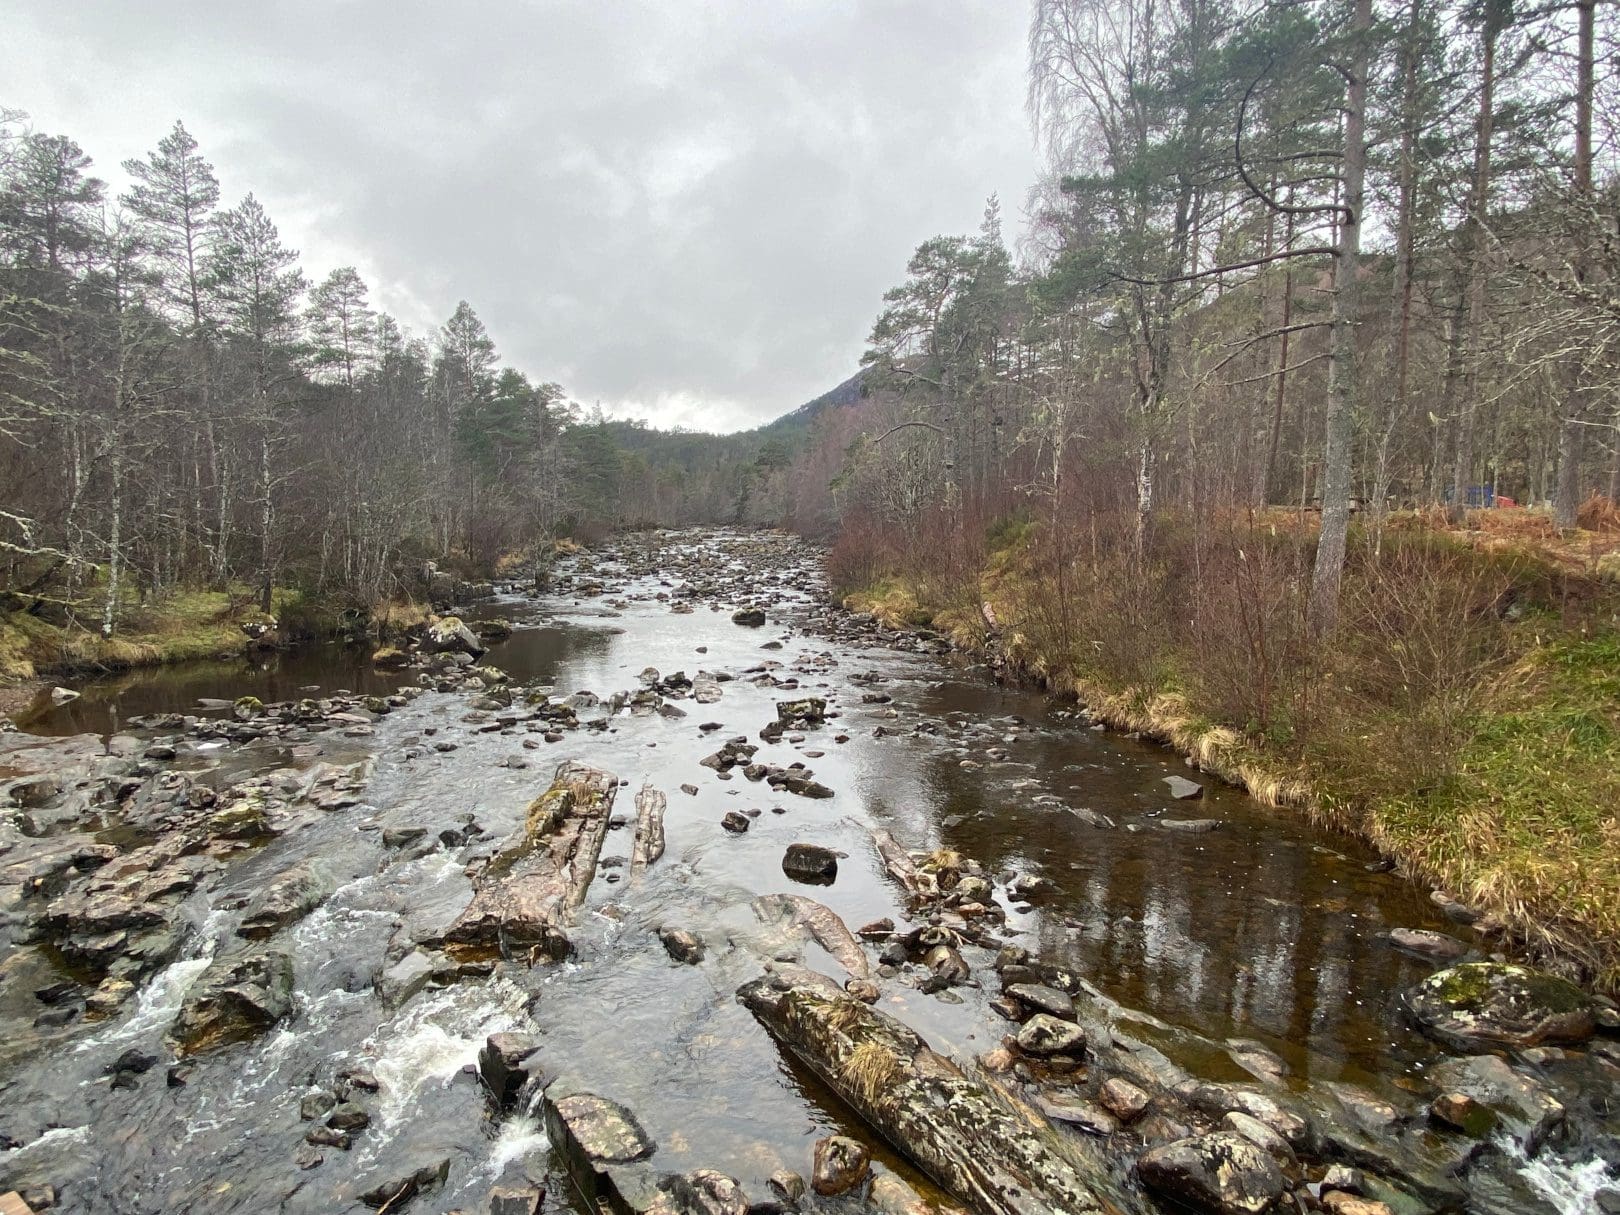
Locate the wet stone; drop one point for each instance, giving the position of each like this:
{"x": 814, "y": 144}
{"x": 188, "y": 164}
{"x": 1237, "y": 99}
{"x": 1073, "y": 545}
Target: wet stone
{"x": 1222, "y": 1173}
{"x": 841, "y": 1164}
{"x": 810, "y": 864}
{"x": 1481, "y": 1005}
{"x": 735, "y": 822}
{"x": 1042, "y": 999}
{"x": 682, "y": 946}
{"x": 1045, "y": 1035}
{"x": 502, "y": 1064}
{"x": 1123, "y": 1099}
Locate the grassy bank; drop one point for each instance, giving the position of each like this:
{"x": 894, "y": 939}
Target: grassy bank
{"x": 180, "y": 627}
{"x": 1465, "y": 720}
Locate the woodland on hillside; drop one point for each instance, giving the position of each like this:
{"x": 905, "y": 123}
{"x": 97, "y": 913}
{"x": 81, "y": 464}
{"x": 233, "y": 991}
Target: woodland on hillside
{"x": 1309, "y": 292}
{"x": 182, "y": 406}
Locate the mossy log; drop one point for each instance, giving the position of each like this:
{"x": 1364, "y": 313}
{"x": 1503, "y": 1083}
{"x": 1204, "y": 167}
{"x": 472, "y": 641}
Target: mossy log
{"x": 968, "y": 1135}
{"x": 523, "y": 899}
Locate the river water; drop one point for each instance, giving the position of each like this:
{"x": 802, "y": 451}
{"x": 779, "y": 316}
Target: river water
{"x": 1263, "y": 931}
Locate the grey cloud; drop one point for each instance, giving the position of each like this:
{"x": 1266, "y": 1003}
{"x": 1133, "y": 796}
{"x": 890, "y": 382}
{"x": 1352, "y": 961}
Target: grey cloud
{"x": 687, "y": 211}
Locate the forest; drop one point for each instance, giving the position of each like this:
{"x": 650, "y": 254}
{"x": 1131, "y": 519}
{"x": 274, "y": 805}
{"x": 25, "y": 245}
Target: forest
{"x": 1287, "y": 431}
{"x": 1285, "y": 420}
{"x": 183, "y": 407}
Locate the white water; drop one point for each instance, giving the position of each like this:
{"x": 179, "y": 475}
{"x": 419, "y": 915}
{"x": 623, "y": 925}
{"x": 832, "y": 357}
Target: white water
{"x": 1572, "y": 1189}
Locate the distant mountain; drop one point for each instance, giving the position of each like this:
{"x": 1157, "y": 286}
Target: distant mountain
{"x": 794, "y": 425}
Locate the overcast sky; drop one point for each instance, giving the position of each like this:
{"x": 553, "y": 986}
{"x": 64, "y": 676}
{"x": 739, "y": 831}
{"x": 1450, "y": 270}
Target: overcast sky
{"x": 686, "y": 211}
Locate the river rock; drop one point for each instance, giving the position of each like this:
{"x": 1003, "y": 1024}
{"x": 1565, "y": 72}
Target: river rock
{"x": 752, "y": 618}
{"x": 450, "y": 635}
{"x": 811, "y": 864}
{"x": 841, "y": 1164}
{"x": 682, "y": 946}
{"x": 1480, "y": 1005}
{"x": 1342, "y": 1202}
{"x": 1123, "y": 1099}
{"x": 702, "y": 1192}
{"x": 1259, "y": 1134}
{"x": 1427, "y": 943}
{"x": 1043, "y": 999}
{"x": 1184, "y": 790}
{"x": 399, "y": 1188}
{"x": 1522, "y": 1106}
{"x": 821, "y": 923}
{"x": 962, "y": 1131}
{"x": 286, "y": 900}
{"x": 347, "y": 1116}
{"x": 236, "y": 998}
{"x": 735, "y": 822}
{"x": 516, "y": 1200}
{"x": 1222, "y": 1173}
{"x": 503, "y": 1064}
{"x": 806, "y": 711}
{"x": 1043, "y": 1035}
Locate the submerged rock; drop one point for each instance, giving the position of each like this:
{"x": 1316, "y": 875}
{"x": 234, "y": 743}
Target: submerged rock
{"x": 966, "y": 1134}
{"x": 1223, "y": 1173}
{"x": 286, "y": 900}
{"x": 1494, "y": 1004}
{"x": 235, "y": 999}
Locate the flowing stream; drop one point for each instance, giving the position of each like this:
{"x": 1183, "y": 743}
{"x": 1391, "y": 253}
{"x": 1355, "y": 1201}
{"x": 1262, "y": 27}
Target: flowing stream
{"x": 1259, "y": 940}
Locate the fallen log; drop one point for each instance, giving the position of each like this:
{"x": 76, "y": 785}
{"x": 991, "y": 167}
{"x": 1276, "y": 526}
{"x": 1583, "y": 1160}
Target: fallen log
{"x": 968, "y": 1135}
{"x": 649, "y": 841}
{"x": 523, "y": 899}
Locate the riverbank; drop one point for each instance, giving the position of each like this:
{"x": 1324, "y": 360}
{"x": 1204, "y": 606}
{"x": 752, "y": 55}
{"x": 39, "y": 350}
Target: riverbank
{"x": 1499, "y": 790}
{"x": 182, "y": 627}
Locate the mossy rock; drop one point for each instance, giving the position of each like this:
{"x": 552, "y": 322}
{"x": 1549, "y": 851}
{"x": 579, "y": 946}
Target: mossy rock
{"x": 389, "y": 656}
{"x": 247, "y": 708}
{"x": 1480, "y": 1005}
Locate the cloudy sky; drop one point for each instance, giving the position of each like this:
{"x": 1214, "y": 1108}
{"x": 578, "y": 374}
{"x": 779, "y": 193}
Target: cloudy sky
{"x": 685, "y": 211}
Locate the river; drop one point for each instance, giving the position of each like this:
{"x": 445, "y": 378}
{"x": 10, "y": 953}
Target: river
{"x": 1249, "y": 954}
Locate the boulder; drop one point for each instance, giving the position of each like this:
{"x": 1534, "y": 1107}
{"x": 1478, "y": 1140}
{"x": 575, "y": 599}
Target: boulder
{"x": 1044, "y": 1035}
{"x": 450, "y": 635}
{"x": 811, "y": 864}
{"x": 1484, "y": 1005}
{"x": 235, "y": 999}
{"x": 752, "y": 618}
{"x": 504, "y": 1067}
{"x": 1427, "y": 943}
{"x": 286, "y": 900}
{"x": 1222, "y": 1173}
{"x": 524, "y": 899}
{"x": 841, "y": 1164}
{"x": 735, "y": 822}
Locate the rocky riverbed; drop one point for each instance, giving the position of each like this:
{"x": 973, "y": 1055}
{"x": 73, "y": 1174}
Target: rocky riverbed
{"x": 678, "y": 889}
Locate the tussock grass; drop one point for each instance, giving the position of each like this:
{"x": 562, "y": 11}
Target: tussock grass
{"x": 1466, "y": 721}
{"x": 870, "y": 1069}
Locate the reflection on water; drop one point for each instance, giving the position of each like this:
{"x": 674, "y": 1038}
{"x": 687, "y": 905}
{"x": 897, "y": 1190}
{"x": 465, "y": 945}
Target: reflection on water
{"x": 1263, "y": 929}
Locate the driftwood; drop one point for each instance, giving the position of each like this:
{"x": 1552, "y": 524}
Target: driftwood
{"x": 991, "y": 1153}
{"x": 896, "y": 860}
{"x": 649, "y": 842}
{"x": 523, "y": 900}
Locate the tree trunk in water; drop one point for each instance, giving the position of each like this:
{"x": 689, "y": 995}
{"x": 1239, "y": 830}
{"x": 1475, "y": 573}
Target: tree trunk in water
{"x": 1330, "y": 549}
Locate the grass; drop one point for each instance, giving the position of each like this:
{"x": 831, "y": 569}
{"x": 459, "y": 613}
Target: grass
{"x": 182, "y": 626}
{"x": 1519, "y": 814}
{"x": 1529, "y": 824}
